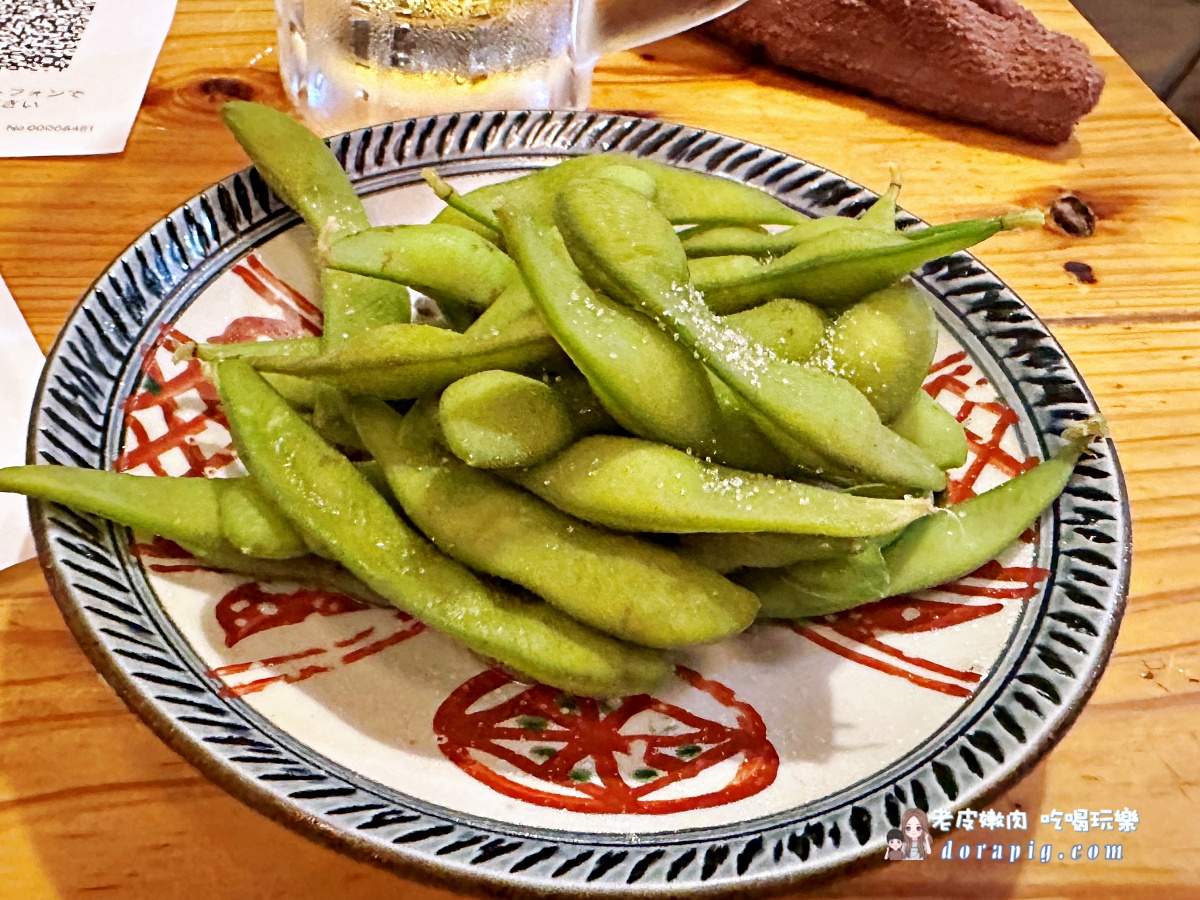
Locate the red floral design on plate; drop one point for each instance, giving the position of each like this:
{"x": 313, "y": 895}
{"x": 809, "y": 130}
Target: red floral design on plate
{"x": 578, "y": 754}
{"x": 855, "y": 634}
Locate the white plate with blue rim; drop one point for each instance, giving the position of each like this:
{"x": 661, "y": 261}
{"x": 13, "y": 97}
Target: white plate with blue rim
{"x": 781, "y": 753}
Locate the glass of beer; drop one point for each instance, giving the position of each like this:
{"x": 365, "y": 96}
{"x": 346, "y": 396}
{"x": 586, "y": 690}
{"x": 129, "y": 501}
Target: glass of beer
{"x": 349, "y": 63}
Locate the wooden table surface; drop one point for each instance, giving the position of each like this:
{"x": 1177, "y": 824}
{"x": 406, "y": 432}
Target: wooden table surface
{"x": 91, "y": 801}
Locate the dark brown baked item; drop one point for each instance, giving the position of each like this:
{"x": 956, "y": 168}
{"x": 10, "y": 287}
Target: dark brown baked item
{"x": 988, "y": 62}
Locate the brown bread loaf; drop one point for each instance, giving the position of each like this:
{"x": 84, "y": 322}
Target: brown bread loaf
{"x": 988, "y": 62}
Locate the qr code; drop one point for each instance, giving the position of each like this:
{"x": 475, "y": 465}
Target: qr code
{"x": 37, "y": 35}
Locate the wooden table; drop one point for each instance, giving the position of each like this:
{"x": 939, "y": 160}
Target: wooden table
{"x": 91, "y": 801}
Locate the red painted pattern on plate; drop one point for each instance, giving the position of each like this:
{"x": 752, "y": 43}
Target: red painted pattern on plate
{"x": 855, "y": 634}
{"x": 179, "y": 406}
{"x": 947, "y": 379}
{"x": 579, "y": 755}
{"x": 251, "y": 609}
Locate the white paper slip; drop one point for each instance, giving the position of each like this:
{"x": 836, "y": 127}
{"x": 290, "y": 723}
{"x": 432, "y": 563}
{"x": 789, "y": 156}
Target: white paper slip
{"x": 73, "y": 72}
{"x": 20, "y": 367}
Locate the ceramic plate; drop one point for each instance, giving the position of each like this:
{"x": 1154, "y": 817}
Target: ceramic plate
{"x": 784, "y": 752}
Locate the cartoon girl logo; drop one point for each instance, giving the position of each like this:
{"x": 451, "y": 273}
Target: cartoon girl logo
{"x": 917, "y": 841}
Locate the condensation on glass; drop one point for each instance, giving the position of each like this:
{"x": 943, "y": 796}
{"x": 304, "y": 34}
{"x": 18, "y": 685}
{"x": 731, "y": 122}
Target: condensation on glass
{"x": 348, "y": 63}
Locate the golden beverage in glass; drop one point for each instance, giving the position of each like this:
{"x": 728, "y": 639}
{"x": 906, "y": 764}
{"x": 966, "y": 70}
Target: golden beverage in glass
{"x": 348, "y": 63}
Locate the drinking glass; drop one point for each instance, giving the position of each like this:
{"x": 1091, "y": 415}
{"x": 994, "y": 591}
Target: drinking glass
{"x": 349, "y": 63}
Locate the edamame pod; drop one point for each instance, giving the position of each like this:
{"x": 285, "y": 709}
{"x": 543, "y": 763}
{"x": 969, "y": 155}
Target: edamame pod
{"x": 883, "y": 345}
{"x": 961, "y": 538}
{"x": 253, "y": 525}
{"x": 764, "y": 550}
{"x": 756, "y": 242}
{"x": 820, "y": 587}
{"x": 625, "y": 247}
{"x": 584, "y": 409}
{"x": 308, "y": 570}
{"x": 209, "y": 517}
{"x": 339, "y": 513}
{"x": 636, "y": 485}
{"x": 636, "y": 180}
{"x": 498, "y": 420}
{"x": 448, "y": 194}
{"x": 452, "y": 265}
{"x": 791, "y": 329}
{"x": 300, "y": 393}
{"x": 712, "y": 273}
{"x": 618, "y": 584}
{"x": 298, "y": 167}
{"x": 294, "y": 347}
{"x": 734, "y": 240}
{"x": 510, "y": 410}
{"x": 882, "y": 213}
{"x": 330, "y": 419}
{"x": 686, "y": 198}
{"x": 927, "y": 424}
{"x": 949, "y": 544}
{"x": 399, "y": 362}
{"x": 838, "y": 268}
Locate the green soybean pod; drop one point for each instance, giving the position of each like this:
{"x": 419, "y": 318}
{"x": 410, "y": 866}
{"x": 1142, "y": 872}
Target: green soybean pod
{"x": 448, "y": 194}
{"x": 763, "y": 550}
{"x": 293, "y": 347}
{"x": 635, "y": 485}
{"x": 253, "y": 525}
{"x": 713, "y": 273}
{"x": 952, "y": 542}
{"x": 623, "y": 586}
{"x": 734, "y": 240}
{"x": 498, "y": 420}
{"x": 959, "y": 539}
{"x": 820, "y": 587}
{"x": 342, "y": 516}
{"x": 450, "y": 264}
{"x": 791, "y": 329}
{"x": 686, "y": 198}
{"x": 584, "y": 409}
{"x": 718, "y": 241}
{"x": 839, "y": 268}
{"x": 882, "y": 213}
{"x": 637, "y": 180}
{"x": 300, "y": 393}
{"x": 399, "y": 362}
{"x": 883, "y": 345}
{"x": 184, "y": 510}
{"x": 298, "y": 167}
{"x": 210, "y": 517}
{"x": 312, "y": 571}
{"x": 330, "y": 419}
{"x": 220, "y": 521}
{"x": 927, "y": 424}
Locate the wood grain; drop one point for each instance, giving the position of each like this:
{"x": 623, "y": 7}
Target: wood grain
{"x": 90, "y": 801}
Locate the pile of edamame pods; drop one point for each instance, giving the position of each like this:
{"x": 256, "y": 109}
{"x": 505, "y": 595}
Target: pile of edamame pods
{"x": 650, "y": 422}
